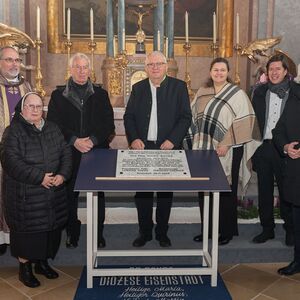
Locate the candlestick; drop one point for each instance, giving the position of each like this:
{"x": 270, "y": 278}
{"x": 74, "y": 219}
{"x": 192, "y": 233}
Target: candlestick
{"x": 167, "y": 47}
{"x": 92, "y": 24}
{"x": 123, "y": 40}
{"x": 186, "y": 27}
{"x": 68, "y": 45}
{"x": 187, "y": 49}
{"x": 237, "y": 28}
{"x": 158, "y": 40}
{"x": 238, "y": 49}
{"x": 38, "y": 78}
{"x": 68, "y": 24}
{"x": 38, "y": 23}
{"x": 214, "y": 28}
{"x": 92, "y": 47}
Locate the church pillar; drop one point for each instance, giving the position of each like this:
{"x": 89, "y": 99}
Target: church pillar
{"x": 121, "y": 24}
{"x": 158, "y": 25}
{"x": 109, "y": 29}
{"x": 170, "y": 28}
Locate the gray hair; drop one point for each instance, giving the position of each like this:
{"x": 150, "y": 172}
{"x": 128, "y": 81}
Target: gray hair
{"x": 79, "y": 56}
{"x": 7, "y": 47}
{"x": 153, "y": 54}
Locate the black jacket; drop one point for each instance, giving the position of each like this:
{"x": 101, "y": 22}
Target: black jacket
{"x": 26, "y": 155}
{"x": 287, "y": 130}
{"x": 173, "y": 111}
{"x": 91, "y": 116}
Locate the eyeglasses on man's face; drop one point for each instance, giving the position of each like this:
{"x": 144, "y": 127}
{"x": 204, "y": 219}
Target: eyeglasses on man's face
{"x": 11, "y": 60}
{"x": 32, "y": 107}
{"x": 79, "y": 68}
{"x": 156, "y": 65}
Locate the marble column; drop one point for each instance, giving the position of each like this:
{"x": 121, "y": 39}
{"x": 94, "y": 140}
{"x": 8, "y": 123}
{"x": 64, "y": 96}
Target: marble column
{"x": 170, "y": 28}
{"x": 158, "y": 25}
{"x": 109, "y": 29}
{"x": 121, "y": 24}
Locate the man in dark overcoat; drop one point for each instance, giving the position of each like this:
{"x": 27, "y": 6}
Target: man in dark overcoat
{"x": 286, "y": 137}
{"x": 84, "y": 114}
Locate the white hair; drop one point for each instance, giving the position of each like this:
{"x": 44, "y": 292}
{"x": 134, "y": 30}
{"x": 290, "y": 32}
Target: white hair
{"x": 154, "y": 54}
{"x": 79, "y": 56}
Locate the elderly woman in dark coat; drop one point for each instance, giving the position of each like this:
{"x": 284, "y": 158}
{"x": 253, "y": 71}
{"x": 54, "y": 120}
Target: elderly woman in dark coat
{"x": 36, "y": 162}
{"x": 286, "y": 137}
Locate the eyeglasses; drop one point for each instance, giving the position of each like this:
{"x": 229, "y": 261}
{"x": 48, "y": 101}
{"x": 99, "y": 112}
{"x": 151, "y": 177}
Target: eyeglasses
{"x": 79, "y": 68}
{"x": 157, "y": 65}
{"x": 10, "y": 60}
{"x": 32, "y": 107}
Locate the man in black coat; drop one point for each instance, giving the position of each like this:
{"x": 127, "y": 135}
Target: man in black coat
{"x": 286, "y": 137}
{"x": 157, "y": 116}
{"x": 268, "y": 102}
{"x": 84, "y": 114}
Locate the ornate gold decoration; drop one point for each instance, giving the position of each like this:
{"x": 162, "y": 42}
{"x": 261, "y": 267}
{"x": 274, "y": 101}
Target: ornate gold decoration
{"x": 114, "y": 80}
{"x": 187, "y": 48}
{"x": 11, "y": 36}
{"x": 254, "y": 50}
{"x": 121, "y": 60}
{"x": 200, "y": 48}
{"x": 92, "y": 47}
{"x": 38, "y": 83}
{"x": 214, "y": 49}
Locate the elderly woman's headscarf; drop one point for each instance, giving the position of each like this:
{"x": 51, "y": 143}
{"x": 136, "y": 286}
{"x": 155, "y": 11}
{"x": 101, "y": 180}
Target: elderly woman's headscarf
{"x": 19, "y": 107}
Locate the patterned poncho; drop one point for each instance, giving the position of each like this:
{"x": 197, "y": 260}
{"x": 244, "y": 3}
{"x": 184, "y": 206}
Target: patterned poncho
{"x": 225, "y": 119}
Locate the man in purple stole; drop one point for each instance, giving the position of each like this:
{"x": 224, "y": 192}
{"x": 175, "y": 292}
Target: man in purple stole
{"x": 12, "y": 88}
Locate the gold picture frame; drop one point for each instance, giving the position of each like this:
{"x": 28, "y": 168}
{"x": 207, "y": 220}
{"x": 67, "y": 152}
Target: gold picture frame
{"x": 56, "y": 38}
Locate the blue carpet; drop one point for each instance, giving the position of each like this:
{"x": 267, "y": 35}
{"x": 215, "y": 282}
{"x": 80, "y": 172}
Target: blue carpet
{"x": 175, "y": 287}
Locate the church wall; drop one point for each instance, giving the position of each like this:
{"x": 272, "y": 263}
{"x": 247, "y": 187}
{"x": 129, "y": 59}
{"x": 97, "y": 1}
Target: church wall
{"x": 254, "y": 23}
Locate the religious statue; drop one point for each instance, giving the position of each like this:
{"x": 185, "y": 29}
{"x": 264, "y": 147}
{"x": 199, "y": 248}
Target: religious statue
{"x": 140, "y": 34}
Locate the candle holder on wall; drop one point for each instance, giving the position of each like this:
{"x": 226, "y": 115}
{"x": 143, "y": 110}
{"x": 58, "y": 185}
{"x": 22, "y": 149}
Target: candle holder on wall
{"x": 38, "y": 84}
{"x": 187, "y": 49}
{"x": 238, "y": 48}
{"x": 92, "y": 47}
{"x": 68, "y": 45}
{"x": 214, "y": 49}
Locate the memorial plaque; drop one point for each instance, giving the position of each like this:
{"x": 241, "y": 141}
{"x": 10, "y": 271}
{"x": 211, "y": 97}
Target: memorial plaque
{"x": 152, "y": 164}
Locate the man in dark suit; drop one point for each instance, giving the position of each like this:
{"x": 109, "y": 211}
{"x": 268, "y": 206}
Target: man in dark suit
{"x": 157, "y": 116}
{"x": 268, "y": 102}
{"x": 286, "y": 137}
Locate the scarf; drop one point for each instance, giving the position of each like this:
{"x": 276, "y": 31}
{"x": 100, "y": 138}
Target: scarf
{"x": 280, "y": 89}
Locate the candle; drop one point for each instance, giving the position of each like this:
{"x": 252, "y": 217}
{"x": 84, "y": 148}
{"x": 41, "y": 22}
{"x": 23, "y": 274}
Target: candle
{"x": 92, "y": 24}
{"x": 186, "y": 27}
{"x": 214, "y": 28}
{"x": 158, "y": 40}
{"x": 114, "y": 46}
{"x": 237, "y": 28}
{"x": 167, "y": 47}
{"x": 38, "y": 23}
{"x": 123, "y": 39}
{"x": 68, "y": 24}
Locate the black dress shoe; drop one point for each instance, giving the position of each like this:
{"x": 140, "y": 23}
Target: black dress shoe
{"x": 224, "y": 240}
{"x": 263, "y": 237}
{"x": 71, "y": 243}
{"x": 3, "y": 248}
{"x": 292, "y": 268}
{"x": 141, "y": 240}
{"x": 101, "y": 242}
{"x": 163, "y": 239}
{"x": 290, "y": 239}
{"x": 42, "y": 267}
{"x": 26, "y": 276}
{"x": 199, "y": 238}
